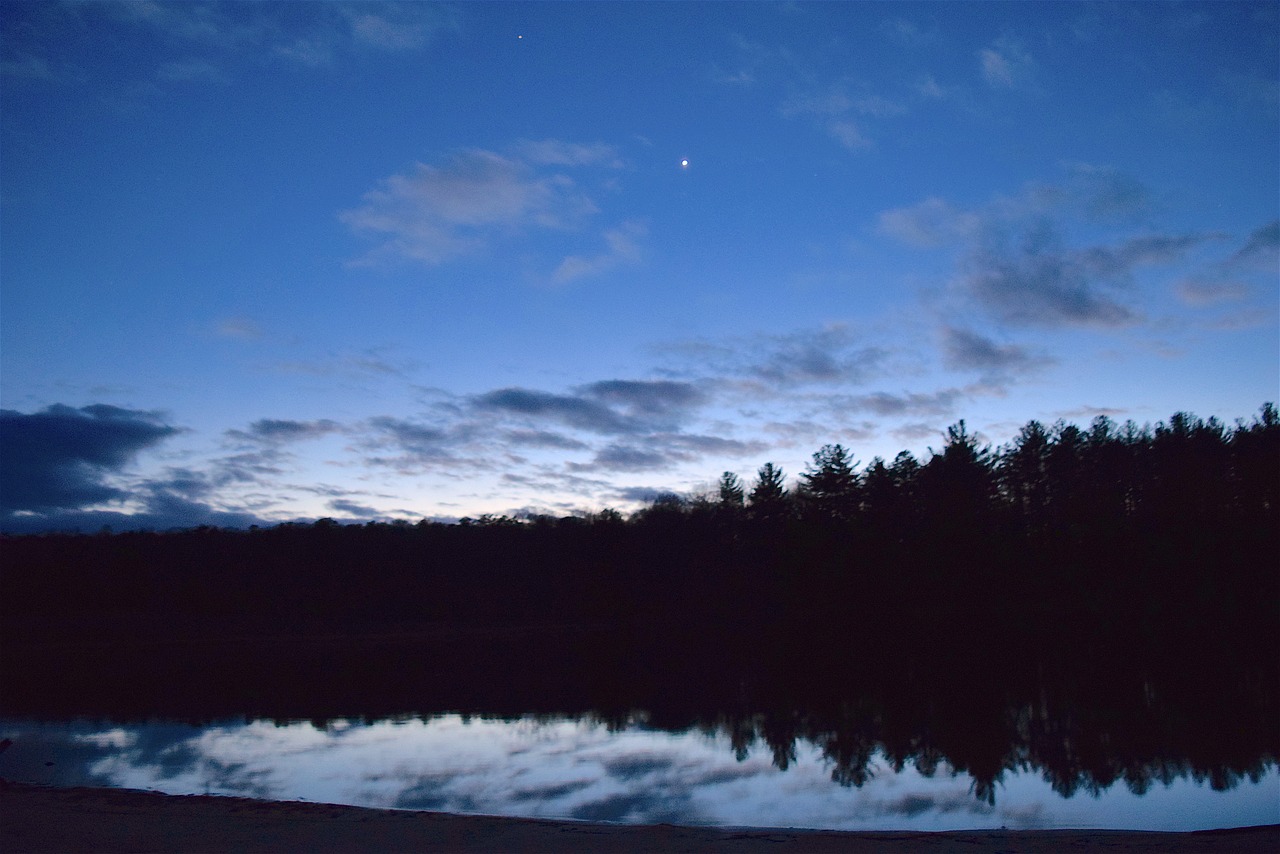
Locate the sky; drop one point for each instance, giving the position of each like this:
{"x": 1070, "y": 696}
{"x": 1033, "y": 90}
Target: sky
{"x": 263, "y": 262}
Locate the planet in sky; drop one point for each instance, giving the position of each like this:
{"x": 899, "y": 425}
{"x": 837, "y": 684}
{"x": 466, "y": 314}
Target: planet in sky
{"x": 267, "y": 261}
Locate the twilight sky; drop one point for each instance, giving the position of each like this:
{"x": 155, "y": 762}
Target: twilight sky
{"x": 267, "y": 261}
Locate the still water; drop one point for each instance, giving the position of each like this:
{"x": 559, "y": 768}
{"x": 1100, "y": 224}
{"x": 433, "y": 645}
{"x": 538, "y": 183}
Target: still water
{"x": 581, "y": 768}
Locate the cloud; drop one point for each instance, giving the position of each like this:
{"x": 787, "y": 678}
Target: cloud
{"x": 625, "y": 458}
{"x": 59, "y": 458}
{"x": 391, "y": 26}
{"x": 647, "y": 398}
{"x": 276, "y": 431}
{"x": 848, "y": 134}
{"x": 816, "y": 356}
{"x": 161, "y": 514}
{"x": 821, "y": 355}
{"x": 1261, "y": 249}
{"x": 833, "y": 110}
{"x": 432, "y": 214}
{"x": 908, "y": 33}
{"x": 663, "y": 450}
{"x": 418, "y": 443}
{"x": 1119, "y": 261}
{"x": 622, "y": 248}
{"x": 834, "y": 102}
{"x": 314, "y": 39}
{"x": 741, "y": 77}
{"x": 1201, "y": 291}
{"x": 351, "y": 508}
{"x": 840, "y": 409}
{"x": 543, "y": 439}
{"x": 1015, "y": 265}
{"x": 554, "y": 152}
{"x": 967, "y": 350}
{"x": 574, "y": 411}
{"x": 1225, "y": 280}
{"x": 1106, "y": 194}
{"x": 929, "y": 87}
{"x": 1043, "y": 283}
{"x": 56, "y": 463}
{"x": 660, "y": 807}
{"x": 360, "y": 365}
{"x": 238, "y": 327}
{"x": 916, "y": 431}
{"x": 906, "y": 404}
{"x": 929, "y": 224}
{"x": 911, "y": 805}
{"x": 1005, "y": 64}
{"x": 608, "y": 407}
{"x": 995, "y": 68}
{"x": 26, "y": 66}
{"x": 639, "y": 494}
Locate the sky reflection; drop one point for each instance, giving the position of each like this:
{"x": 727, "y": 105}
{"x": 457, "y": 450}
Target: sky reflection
{"x": 579, "y": 769}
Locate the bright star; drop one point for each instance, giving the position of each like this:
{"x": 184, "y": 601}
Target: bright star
{"x": 684, "y": 164}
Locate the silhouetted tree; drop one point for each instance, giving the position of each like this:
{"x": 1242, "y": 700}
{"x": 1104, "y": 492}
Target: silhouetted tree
{"x": 730, "y": 490}
{"x": 829, "y": 486}
{"x": 1023, "y": 475}
{"x": 957, "y": 485}
{"x": 769, "y": 498}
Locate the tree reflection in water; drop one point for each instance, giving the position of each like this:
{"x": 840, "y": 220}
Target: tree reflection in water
{"x": 1084, "y": 721}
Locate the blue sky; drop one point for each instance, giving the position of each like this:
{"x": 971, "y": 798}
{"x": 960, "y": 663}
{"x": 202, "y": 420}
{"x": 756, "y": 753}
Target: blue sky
{"x": 268, "y": 261}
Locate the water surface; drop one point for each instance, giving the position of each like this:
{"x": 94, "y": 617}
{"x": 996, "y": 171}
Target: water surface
{"x": 583, "y": 768}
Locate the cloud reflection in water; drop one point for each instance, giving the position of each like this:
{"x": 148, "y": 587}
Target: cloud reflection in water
{"x": 571, "y": 769}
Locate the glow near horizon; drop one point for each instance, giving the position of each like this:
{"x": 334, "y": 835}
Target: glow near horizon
{"x": 399, "y": 260}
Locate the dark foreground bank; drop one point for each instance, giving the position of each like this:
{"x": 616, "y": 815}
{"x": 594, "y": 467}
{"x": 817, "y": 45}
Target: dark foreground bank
{"x": 38, "y": 819}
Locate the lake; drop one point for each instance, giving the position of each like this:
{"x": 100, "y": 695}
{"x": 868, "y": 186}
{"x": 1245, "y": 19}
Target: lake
{"x": 620, "y": 771}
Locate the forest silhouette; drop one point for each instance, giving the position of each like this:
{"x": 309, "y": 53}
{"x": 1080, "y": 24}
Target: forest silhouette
{"x": 1098, "y": 603}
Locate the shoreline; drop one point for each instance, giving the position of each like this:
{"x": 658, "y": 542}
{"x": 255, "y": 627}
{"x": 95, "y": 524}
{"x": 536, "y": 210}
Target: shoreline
{"x": 47, "y": 819}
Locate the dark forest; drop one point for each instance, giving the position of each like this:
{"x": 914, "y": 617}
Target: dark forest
{"x": 1142, "y": 524}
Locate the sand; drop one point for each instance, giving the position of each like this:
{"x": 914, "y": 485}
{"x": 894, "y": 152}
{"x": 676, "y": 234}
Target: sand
{"x": 39, "y": 819}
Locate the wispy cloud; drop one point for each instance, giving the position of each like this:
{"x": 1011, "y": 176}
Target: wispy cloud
{"x": 1227, "y": 280}
{"x": 275, "y": 431}
{"x": 905, "y": 404}
{"x": 391, "y": 26}
{"x": 964, "y": 349}
{"x": 1039, "y": 282}
{"x": 365, "y": 364}
{"x": 1016, "y": 264}
{"x": 607, "y": 407}
{"x": 1005, "y": 64}
{"x": 326, "y": 32}
{"x": 434, "y": 213}
{"x": 555, "y": 152}
{"x": 828, "y": 355}
{"x": 929, "y": 224}
{"x": 1261, "y": 249}
{"x": 622, "y": 246}
{"x": 240, "y": 327}
{"x": 839, "y": 113}
{"x": 659, "y": 451}
{"x": 909, "y": 33}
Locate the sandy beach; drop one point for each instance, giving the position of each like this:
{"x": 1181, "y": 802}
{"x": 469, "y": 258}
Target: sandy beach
{"x": 42, "y": 819}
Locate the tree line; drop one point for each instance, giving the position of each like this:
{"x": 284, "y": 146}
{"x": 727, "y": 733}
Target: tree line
{"x": 1061, "y": 522}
